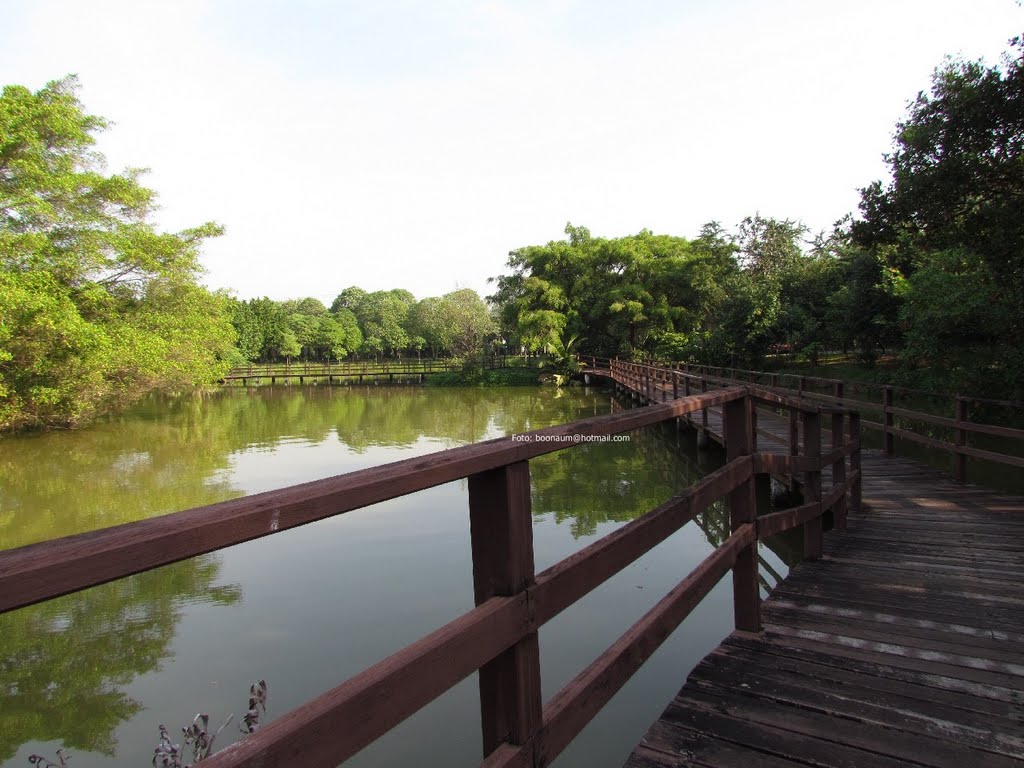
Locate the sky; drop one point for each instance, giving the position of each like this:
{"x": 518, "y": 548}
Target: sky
{"x": 413, "y": 144}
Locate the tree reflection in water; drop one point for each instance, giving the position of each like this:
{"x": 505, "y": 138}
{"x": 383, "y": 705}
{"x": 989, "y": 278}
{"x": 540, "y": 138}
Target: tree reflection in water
{"x": 65, "y": 662}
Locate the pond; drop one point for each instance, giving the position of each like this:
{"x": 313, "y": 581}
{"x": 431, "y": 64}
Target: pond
{"x": 99, "y": 671}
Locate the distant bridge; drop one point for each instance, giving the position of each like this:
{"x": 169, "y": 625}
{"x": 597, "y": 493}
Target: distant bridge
{"x": 392, "y": 370}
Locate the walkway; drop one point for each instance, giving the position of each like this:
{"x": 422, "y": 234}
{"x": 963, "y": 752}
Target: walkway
{"x": 901, "y": 646}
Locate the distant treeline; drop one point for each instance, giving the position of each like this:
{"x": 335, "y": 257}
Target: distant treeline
{"x": 383, "y": 323}
{"x": 97, "y": 307}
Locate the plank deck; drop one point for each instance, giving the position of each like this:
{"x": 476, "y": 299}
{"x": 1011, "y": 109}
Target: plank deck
{"x": 902, "y": 646}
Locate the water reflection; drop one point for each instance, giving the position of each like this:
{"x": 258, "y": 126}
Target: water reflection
{"x": 64, "y": 664}
{"x": 79, "y": 670}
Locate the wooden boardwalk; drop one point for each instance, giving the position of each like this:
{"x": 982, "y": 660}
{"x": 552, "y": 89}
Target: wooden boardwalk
{"x": 903, "y": 645}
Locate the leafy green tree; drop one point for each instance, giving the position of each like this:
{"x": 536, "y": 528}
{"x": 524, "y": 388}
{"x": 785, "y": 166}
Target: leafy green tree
{"x": 304, "y": 329}
{"x": 954, "y": 210}
{"x": 99, "y": 306}
{"x": 468, "y": 321}
{"x": 288, "y": 346}
{"x": 352, "y": 299}
{"x": 351, "y": 336}
{"x": 382, "y": 316}
{"x": 426, "y": 320}
{"x": 865, "y": 309}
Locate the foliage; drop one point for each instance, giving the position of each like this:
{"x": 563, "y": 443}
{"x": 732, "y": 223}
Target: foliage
{"x": 96, "y": 306}
{"x": 480, "y": 377}
{"x": 562, "y": 361}
{"x": 951, "y": 220}
{"x": 197, "y": 737}
{"x": 933, "y": 273}
{"x": 644, "y": 294}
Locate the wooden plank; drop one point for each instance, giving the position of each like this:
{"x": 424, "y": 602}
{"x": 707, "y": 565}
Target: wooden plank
{"x": 885, "y": 666}
{"x": 957, "y": 649}
{"x": 848, "y": 731}
{"x": 948, "y": 727}
{"x": 688, "y": 740}
{"x": 879, "y": 683}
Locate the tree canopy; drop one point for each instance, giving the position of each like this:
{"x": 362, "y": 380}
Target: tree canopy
{"x": 97, "y": 307}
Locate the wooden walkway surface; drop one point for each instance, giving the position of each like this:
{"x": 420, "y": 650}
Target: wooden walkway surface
{"x": 903, "y": 645}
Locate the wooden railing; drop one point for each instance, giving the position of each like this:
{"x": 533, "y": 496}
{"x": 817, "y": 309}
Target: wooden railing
{"x": 403, "y": 367}
{"x": 893, "y": 422}
{"x": 499, "y": 636}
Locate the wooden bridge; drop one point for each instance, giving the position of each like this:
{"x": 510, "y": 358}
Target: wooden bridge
{"x": 359, "y": 370}
{"x": 897, "y": 643}
{"x": 900, "y": 643}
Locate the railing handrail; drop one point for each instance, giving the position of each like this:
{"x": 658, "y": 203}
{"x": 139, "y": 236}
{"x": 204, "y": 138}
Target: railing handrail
{"x": 499, "y": 636}
{"x": 353, "y": 367}
{"x": 820, "y": 380}
{"x": 960, "y": 450}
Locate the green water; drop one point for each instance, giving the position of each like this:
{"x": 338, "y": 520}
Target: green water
{"x": 97, "y": 672}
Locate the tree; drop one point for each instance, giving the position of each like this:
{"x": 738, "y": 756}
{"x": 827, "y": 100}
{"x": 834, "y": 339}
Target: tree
{"x": 426, "y": 321}
{"x": 382, "y": 316}
{"x": 468, "y": 321}
{"x": 99, "y": 306}
{"x": 352, "y": 299}
{"x": 954, "y": 209}
{"x": 957, "y": 169}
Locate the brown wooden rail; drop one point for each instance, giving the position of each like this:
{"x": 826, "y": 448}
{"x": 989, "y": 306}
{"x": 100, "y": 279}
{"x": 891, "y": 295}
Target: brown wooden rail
{"x": 343, "y": 369}
{"x": 499, "y": 636}
{"x": 685, "y": 377}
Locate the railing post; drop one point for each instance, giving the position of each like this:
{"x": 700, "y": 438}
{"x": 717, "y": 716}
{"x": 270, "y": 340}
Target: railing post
{"x": 837, "y": 391}
{"x": 762, "y": 480}
{"x": 813, "y": 530}
{"x": 746, "y": 593}
{"x": 501, "y": 531}
{"x": 803, "y": 386}
{"x": 675, "y": 385}
{"x": 704, "y": 411}
{"x": 854, "y": 427}
{"x": 889, "y": 420}
{"x": 960, "y": 459}
{"x": 753, "y": 424}
{"x": 838, "y": 472}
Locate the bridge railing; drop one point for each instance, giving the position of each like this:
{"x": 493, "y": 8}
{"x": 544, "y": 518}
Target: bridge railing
{"x": 498, "y": 637}
{"x": 341, "y": 368}
{"x": 952, "y": 434}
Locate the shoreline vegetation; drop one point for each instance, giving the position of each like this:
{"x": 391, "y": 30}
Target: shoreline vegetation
{"x": 925, "y": 288}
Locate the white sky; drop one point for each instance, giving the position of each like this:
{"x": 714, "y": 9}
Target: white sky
{"x": 412, "y": 144}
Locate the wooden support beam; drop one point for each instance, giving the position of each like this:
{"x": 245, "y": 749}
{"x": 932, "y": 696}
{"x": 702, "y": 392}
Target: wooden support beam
{"x": 889, "y": 421}
{"x": 854, "y": 427}
{"x": 960, "y": 459}
{"x": 838, "y": 470}
{"x": 743, "y": 510}
{"x": 813, "y": 532}
{"x": 501, "y": 531}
